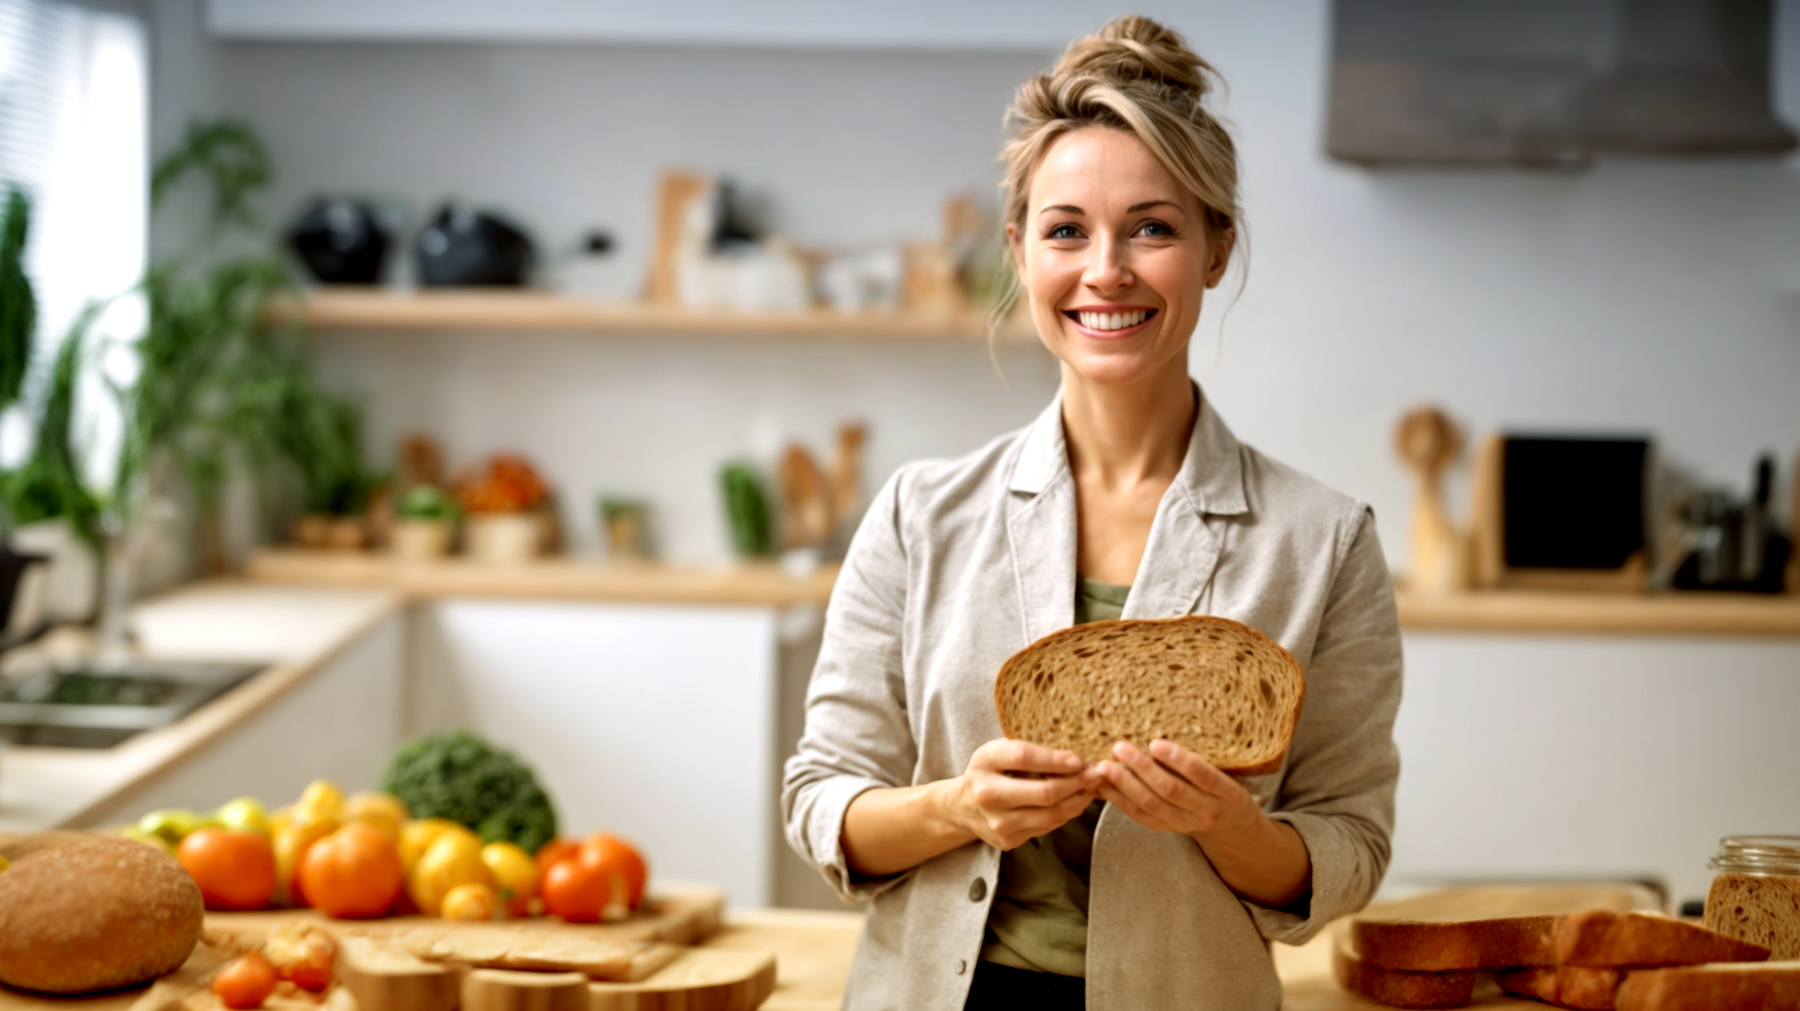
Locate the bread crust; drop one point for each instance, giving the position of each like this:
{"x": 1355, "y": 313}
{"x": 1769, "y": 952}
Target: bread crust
{"x": 95, "y": 915}
{"x": 1021, "y": 666}
{"x": 1753, "y": 986}
{"x": 1607, "y": 939}
{"x": 1413, "y": 946}
{"x": 1397, "y": 988}
{"x": 1572, "y": 986}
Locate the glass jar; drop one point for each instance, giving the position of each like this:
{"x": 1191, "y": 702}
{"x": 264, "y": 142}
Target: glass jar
{"x": 1756, "y": 895}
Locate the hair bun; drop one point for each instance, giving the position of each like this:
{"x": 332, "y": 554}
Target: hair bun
{"x": 1135, "y": 50}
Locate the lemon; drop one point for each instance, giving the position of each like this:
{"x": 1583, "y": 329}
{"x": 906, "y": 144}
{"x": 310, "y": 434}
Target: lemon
{"x": 383, "y": 811}
{"x": 417, "y": 836}
{"x": 320, "y": 801}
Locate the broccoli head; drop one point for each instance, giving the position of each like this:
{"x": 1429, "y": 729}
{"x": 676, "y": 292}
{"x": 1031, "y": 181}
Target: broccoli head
{"x": 454, "y": 774}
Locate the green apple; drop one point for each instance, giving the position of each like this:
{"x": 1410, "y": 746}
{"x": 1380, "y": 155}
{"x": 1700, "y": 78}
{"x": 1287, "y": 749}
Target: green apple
{"x": 245, "y": 814}
{"x": 174, "y": 824}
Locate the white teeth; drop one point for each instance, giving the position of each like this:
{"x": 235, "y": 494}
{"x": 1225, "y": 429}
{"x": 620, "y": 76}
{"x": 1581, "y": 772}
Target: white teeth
{"x": 1112, "y": 320}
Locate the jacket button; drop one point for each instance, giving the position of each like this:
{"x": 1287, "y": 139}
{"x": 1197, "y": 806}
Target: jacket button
{"x": 962, "y": 966}
{"x": 978, "y": 890}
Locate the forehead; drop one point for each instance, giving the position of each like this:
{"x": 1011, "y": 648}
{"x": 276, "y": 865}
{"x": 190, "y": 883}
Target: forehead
{"x": 1097, "y": 167}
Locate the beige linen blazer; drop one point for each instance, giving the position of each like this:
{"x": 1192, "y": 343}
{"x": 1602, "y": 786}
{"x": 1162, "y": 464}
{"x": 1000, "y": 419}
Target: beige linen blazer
{"x": 960, "y": 563}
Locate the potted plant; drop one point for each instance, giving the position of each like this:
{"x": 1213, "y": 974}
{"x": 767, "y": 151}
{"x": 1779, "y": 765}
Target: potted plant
{"x": 510, "y": 511}
{"x": 424, "y": 524}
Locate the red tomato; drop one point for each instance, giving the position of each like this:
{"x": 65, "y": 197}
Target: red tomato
{"x": 235, "y": 870}
{"x": 245, "y": 983}
{"x": 553, "y": 851}
{"x": 612, "y": 855}
{"x": 574, "y": 891}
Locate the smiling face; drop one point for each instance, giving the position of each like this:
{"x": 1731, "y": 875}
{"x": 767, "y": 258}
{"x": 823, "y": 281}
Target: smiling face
{"x": 1115, "y": 256}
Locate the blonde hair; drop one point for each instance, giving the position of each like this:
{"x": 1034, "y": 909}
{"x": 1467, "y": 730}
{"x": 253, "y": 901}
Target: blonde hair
{"x": 1133, "y": 74}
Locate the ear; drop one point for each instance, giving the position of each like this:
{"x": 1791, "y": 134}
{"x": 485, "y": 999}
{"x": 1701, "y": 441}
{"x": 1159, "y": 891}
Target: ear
{"x": 1017, "y": 248}
{"x": 1219, "y": 245}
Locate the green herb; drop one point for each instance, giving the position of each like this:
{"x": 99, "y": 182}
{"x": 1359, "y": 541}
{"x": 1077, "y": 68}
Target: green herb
{"x": 747, "y": 508}
{"x": 231, "y": 156}
{"x": 454, "y": 774}
{"x": 18, "y": 306}
{"x": 427, "y": 502}
{"x": 49, "y": 484}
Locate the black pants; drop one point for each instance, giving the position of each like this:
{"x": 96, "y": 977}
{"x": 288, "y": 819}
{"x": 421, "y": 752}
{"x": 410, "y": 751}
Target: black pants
{"x": 1002, "y": 988}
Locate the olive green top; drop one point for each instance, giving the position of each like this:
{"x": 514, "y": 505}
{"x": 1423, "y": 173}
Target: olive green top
{"x": 1039, "y": 917}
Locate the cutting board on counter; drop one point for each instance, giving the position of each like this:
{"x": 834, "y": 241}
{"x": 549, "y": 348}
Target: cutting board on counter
{"x": 1306, "y": 975}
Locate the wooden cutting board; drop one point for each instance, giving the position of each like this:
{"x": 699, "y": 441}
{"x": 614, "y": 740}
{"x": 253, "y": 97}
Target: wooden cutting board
{"x": 1305, "y": 971}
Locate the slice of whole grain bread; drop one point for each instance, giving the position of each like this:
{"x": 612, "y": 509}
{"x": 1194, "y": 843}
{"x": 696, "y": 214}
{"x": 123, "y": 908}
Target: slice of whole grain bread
{"x": 1760, "y": 909}
{"x": 1500, "y": 943}
{"x": 1721, "y": 986}
{"x": 1572, "y": 986}
{"x": 1212, "y": 685}
{"x": 1602, "y": 938}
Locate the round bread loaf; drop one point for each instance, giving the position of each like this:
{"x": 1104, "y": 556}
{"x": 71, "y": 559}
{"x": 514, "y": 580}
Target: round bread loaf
{"x": 95, "y": 915}
{"x": 1219, "y": 688}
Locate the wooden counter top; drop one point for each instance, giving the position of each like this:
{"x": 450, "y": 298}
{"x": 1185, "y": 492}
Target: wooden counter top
{"x": 760, "y": 584}
{"x": 294, "y": 629}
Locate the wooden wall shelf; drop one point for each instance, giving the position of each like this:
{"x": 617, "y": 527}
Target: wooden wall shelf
{"x": 551, "y": 578}
{"x": 762, "y": 584}
{"x": 524, "y": 310}
{"x": 1673, "y": 613}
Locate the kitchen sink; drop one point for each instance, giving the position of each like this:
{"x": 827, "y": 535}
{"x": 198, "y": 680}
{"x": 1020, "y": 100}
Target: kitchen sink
{"x": 89, "y": 707}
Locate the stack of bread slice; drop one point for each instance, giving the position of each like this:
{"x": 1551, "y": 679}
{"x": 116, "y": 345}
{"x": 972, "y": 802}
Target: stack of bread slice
{"x": 1597, "y": 960}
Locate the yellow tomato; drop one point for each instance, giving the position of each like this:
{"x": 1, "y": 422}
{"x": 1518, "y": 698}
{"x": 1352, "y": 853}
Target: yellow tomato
{"x": 515, "y": 875}
{"x": 453, "y": 858}
{"x": 245, "y": 814}
{"x": 291, "y": 844}
{"x": 135, "y": 834}
{"x": 471, "y": 900}
{"x": 320, "y": 801}
{"x": 417, "y": 836}
{"x": 382, "y": 811}
{"x": 281, "y": 818}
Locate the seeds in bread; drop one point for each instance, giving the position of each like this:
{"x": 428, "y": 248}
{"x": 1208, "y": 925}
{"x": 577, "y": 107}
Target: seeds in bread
{"x": 1212, "y": 685}
{"x": 1761, "y": 909}
{"x": 95, "y": 915}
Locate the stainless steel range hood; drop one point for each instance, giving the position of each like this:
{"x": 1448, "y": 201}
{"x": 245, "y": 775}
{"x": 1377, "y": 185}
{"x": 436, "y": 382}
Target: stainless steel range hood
{"x": 1477, "y": 82}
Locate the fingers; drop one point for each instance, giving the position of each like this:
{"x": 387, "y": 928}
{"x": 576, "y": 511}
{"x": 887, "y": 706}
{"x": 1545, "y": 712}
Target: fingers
{"x": 1164, "y": 787}
{"x": 998, "y": 793}
{"x": 1194, "y": 769}
{"x": 1023, "y": 756}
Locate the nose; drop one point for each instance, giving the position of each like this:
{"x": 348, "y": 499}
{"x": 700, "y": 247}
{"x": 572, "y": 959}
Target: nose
{"x": 1106, "y": 269}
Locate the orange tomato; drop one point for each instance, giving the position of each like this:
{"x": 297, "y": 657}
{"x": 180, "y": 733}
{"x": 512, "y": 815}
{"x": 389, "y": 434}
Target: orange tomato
{"x": 612, "y": 855}
{"x": 472, "y": 900}
{"x": 575, "y": 891}
{"x": 235, "y": 870}
{"x": 291, "y": 844}
{"x": 353, "y": 873}
{"x": 245, "y": 983}
{"x": 552, "y": 852}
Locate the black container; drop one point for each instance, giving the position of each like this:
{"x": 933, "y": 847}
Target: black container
{"x": 471, "y": 248}
{"x": 340, "y": 241}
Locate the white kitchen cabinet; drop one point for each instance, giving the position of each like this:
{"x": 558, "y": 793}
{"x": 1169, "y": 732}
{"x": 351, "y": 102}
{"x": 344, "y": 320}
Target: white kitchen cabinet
{"x": 655, "y": 723}
{"x": 1576, "y": 755}
{"x": 341, "y": 723}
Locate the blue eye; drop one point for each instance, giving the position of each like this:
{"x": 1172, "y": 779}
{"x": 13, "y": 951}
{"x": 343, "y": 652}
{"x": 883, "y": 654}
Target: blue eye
{"x": 1064, "y": 232}
{"x": 1157, "y": 230}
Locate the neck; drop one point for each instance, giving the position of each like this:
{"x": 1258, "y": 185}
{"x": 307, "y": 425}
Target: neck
{"x": 1129, "y": 433}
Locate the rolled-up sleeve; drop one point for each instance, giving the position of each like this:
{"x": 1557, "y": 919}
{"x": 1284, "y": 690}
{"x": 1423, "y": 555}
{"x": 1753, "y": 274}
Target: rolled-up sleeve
{"x": 857, "y": 735}
{"x": 1343, "y": 765}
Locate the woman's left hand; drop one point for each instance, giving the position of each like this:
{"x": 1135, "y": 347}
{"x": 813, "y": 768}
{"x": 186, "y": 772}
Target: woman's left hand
{"x": 1171, "y": 789}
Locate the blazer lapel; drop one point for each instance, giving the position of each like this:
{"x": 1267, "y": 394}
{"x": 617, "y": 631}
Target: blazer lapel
{"x": 1187, "y": 535}
{"x": 1040, "y": 526}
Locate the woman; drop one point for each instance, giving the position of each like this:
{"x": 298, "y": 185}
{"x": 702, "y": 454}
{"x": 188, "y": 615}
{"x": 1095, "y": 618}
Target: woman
{"x": 1002, "y": 873}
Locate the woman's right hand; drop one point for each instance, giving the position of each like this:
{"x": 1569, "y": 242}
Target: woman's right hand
{"x": 1013, "y": 792}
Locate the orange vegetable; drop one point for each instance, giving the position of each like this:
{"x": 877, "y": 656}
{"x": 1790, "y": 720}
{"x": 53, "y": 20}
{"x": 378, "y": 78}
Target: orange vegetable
{"x": 353, "y": 873}
{"x": 612, "y": 855}
{"x": 291, "y": 843}
{"x": 235, "y": 870}
{"x": 245, "y": 983}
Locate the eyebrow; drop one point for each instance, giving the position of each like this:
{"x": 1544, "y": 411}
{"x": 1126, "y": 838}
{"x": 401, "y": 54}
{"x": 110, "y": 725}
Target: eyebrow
{"x": 1133, "y": 209}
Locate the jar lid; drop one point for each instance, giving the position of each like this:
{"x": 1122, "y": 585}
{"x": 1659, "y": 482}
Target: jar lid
{"x": 1758, "y": 854}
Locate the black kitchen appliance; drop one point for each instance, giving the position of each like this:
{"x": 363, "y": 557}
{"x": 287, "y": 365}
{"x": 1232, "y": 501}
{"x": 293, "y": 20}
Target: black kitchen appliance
{"x": 340, "y": 241}
{"x": 1735, "y": 544}
{"x": 461, "y": 247}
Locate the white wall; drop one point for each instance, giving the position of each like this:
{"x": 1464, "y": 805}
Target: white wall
{"x": 1659, "y": 296}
